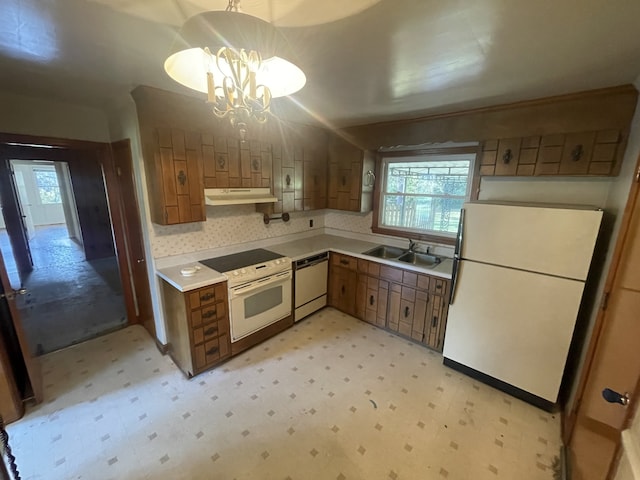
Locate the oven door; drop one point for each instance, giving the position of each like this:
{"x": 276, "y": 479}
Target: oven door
{"x": 256, "y": 304}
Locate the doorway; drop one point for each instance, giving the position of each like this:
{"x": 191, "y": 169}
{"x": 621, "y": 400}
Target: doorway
{"x": 73, "y": 284}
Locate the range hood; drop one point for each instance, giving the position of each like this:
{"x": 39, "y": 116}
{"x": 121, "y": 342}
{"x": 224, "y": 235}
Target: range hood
{"x": 237, "y": 196}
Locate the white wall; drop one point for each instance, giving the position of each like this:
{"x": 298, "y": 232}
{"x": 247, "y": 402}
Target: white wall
{"x": 34, "y": 116}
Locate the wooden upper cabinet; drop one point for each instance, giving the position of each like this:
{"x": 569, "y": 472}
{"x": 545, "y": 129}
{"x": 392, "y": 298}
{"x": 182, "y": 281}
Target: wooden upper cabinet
{"x": 178, "y": 171}
{"x": 345, "y": 175}
{"x": 565, "y": 154}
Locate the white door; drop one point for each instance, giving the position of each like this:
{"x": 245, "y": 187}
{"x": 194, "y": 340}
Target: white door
{"x": 555, "y": 241}
{"x": 513, "y": 325}
{"x": 25, "y": 204}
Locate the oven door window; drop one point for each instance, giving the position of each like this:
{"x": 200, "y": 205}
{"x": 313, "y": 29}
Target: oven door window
{"x": 263, "y": 301}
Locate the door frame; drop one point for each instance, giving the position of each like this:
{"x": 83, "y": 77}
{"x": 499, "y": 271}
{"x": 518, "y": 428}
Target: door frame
{"x": 25, "y": 147}
{"x": 599, "y": 329}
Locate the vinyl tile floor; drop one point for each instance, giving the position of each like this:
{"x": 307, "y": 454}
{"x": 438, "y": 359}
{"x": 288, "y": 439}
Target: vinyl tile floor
{"x": 330, "y": 398}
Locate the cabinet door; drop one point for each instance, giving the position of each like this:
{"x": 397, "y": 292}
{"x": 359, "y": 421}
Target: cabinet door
{"x": 361, "y": 296}
{"x": 221, "y": 162}
{"x": 576, "y": 154}
{"x": 181, "y": 175}
{"x": 383, "y": 299}
{"x": 393, "y": 315}
{"x": 343, "y": 289}
{"x": 508, "y": 155}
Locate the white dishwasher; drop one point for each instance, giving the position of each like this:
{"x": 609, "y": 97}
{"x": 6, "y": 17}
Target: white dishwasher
{"x": 310, "y": 280}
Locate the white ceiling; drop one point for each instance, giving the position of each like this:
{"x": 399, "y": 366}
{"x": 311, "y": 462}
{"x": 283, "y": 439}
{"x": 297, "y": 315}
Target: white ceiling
{"x": 365, "y": 60}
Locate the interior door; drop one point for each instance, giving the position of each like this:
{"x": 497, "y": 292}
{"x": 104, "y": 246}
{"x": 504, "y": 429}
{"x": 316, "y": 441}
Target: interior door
{"x": 13, "y": 215}
{"x": 133, "y": 231}
{"x": 14, "y": 350}
{"x": 613, "y": 361}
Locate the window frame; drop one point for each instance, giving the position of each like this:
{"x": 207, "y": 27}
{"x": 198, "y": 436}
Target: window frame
{"x": 474, "y": 181}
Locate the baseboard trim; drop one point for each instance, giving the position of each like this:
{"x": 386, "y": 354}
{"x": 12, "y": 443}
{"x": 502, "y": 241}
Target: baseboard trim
{"x": 500, "y": 385}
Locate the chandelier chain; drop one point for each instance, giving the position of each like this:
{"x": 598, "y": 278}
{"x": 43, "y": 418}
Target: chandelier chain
{"x": 233, "y": 6}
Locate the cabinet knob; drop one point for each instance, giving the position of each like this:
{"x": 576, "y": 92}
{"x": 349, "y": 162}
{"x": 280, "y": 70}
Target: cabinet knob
{"x": 406, "y": 312}
{"x": 211, "y": 330}
{"x": 209, "y": 314}
{"x": 221, "y": 161}
{"x": 434, "y": 322}
{"x": 212, "y": 350}
{"x": 508, "y": 156}
{"x": 342, "y": 289}
{"x": 576, "y": 153}
{"x": 287, "y": 180}
{"x": 344, "y": 261}
{"x": 371, "y": 300}
{"x": 344, "y": 180}
{"x": 182, "y": 177}
{"x": 207, "y": 296}
{"x": 255, "y": 164}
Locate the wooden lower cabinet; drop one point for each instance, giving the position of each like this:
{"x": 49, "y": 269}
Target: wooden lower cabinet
{"x": 408, "y": 303}
{"x": 197, "y": 326}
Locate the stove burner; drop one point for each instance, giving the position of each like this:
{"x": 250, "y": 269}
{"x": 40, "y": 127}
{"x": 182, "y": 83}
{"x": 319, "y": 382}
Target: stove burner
{"x": 235, "y": 261}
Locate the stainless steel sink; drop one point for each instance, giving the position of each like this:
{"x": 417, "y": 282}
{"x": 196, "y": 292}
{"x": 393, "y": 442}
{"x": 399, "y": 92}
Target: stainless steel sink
{"x": 385, "y": 251}
{"x": 420, "y": 259}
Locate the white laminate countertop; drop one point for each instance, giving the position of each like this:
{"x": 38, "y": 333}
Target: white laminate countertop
{"x": 297, "y": 250}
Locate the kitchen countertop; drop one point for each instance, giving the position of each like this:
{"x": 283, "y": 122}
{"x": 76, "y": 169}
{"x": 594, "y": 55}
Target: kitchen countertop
{"x": 297, "y": 250}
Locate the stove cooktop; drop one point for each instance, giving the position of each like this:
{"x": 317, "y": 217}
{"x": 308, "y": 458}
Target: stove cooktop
{"x": 244, "y": 259}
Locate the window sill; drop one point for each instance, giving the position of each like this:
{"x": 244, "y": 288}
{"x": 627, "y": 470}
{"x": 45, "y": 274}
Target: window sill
{"x": 414, "y": 236}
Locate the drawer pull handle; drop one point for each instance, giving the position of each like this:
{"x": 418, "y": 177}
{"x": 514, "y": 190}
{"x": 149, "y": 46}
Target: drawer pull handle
{"x": 371, "y": 300}
{"x": 207, "y": 296}
{"x": 255, "y": 164}
{"x": 288, "y": 180}
{"x": 508, "y": 155}
{"x": 212, "y": 350}
{"x": 438, "y": 287}
{"x": 221, "y": 161}
{"x": 342, "y": 290}
{"x": 344, "y": 180}
{"x": 209, "y": 314}
{"x": 344, "y": 261}
{"x": 576, "y": 153}
{"x": 182, "y": 177}
{"x": 406, "y": 312}
{"x": 211, "y": 330}
{"x": 434, "y": 323}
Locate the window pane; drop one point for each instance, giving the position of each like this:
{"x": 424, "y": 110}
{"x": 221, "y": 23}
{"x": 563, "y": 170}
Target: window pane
{"x": 48, "y": 189}
{"x": 425, "y": 195}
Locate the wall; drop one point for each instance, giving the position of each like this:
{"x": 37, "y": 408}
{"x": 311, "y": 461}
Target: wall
{"x": 34, "y": 116}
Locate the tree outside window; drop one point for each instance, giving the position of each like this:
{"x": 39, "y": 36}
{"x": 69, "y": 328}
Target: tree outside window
{"x": 424, "y": 194}
{"x": 47, "y": 185}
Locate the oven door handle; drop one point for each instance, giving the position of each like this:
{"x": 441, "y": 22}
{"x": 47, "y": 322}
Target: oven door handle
{"x": 277, "y": 278}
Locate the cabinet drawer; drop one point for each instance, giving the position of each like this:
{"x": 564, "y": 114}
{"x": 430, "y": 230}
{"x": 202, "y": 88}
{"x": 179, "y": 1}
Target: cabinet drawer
{"x": 344, "y": 261}
{"x": 390, "y": 273}
{"x": 210, "y": 352}
{"x": 438, "y": 286}
{"x": 207, "y": 295}
{"x": 209, "y": 331}
{"x": 423, "y": 282}
{"x": 208, "y": 314}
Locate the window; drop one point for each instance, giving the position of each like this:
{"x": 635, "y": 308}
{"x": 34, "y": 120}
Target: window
{"x": 422, "y": 195}
{"x": 47, "y": 185}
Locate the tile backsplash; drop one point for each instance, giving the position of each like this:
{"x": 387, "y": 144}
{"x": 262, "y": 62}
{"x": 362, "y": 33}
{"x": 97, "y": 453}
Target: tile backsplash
{"x": 227, "y": 225}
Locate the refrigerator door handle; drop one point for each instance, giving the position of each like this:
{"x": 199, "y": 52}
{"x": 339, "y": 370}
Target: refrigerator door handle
{"x": 459, "y": 236}
{"x": 454, "y": 278}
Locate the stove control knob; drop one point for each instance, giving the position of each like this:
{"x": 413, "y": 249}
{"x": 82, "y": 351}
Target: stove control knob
{"x": 235, "y": 274}
{"x": 277, "y": 262}
{"x": 243, "y": 271}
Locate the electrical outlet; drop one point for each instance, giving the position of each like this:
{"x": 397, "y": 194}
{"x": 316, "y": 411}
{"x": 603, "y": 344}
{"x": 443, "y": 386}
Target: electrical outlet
{"x": 311, "y": 223}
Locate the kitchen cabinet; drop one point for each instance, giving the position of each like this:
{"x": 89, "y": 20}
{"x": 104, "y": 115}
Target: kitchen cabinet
{"x": 175, "y": 178}
{"x": 342, "y": 282}
{"x": 405, "y": 302}
{"x": 229, "y": 163}
{"x": 197, "y": 326}
{"x": 566, "y": 154}
{"x": 351, "y": 176}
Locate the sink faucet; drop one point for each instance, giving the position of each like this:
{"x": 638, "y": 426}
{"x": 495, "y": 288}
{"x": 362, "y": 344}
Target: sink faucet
{"x": 413, "y": 247}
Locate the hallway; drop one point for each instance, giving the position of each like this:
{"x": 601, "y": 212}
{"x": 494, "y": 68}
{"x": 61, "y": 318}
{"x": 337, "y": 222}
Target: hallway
{"x": 68, "y": 299}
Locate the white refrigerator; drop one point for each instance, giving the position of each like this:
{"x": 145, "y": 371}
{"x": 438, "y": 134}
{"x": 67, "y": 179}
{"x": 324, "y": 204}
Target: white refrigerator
{"x": 519, "y": 275}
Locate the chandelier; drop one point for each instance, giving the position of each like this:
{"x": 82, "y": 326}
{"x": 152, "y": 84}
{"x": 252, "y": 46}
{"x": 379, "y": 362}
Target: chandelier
{"x": 240, "y": 61}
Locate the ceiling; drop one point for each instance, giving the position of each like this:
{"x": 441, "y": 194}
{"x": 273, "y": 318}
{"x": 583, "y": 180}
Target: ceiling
{"x": 365, "y": 60}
